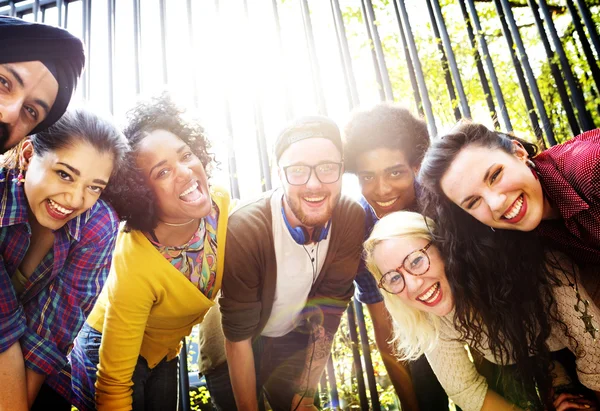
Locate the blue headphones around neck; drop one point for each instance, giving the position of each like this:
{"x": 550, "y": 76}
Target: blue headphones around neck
{"x": 300, "y": 234}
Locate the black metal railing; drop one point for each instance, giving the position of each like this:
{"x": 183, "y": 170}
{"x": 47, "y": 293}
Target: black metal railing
{"x": 396, "y": 36}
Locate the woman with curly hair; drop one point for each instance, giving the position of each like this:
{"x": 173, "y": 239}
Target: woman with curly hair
{"x": 504, "y": 182}
{"x": 167, "y": 266}
{"x": 514, "y": 310}
{"x": 56, "y": 238}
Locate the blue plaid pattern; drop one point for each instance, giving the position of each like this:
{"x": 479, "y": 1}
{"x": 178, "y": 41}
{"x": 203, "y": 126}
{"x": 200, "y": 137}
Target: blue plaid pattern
{"x": 62, "y": 290}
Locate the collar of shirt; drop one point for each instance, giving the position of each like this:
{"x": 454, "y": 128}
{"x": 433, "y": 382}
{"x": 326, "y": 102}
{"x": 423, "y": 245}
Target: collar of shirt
{"x": 13, "y": 206}
{"x": 560, "y": 192}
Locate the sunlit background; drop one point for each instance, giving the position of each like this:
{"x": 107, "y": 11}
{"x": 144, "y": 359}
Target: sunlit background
{"x": 246, "y": 67}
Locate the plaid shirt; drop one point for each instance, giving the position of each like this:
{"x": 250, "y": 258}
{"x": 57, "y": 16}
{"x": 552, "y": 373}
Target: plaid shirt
{"x": 62, "y": 290}
{"x": 570, "y": 177}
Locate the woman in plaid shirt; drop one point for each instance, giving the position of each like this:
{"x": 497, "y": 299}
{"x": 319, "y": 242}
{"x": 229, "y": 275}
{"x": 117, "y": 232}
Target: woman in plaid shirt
{"x": 504, "y": 183}
{"x": 56, "y": 239}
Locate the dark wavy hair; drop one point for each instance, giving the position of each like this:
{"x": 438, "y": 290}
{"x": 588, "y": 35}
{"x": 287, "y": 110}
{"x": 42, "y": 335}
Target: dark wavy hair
{"x": 135, "y": 201}
{"x": 502, "y": 280}
{"x": 385, "y": 125}
{"x": 74, "y": 127}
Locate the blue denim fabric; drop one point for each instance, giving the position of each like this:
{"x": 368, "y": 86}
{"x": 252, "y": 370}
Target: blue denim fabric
{"x": 154, "y": 389}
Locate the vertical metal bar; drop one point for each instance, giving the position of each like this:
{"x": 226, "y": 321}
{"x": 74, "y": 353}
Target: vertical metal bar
{"x": 13, "y": 9}
{"x": 490, "y": 65}
{"x": 184, "y": 378}
{"x": 351, "y": 90}
{"x": 36, "y": 10}
{"x": 360, "y": 382}
{"x": 86, "y": 20}
{"x": 409, "y": 64}
{"x": 314, "y": 64}
{"x": 137, "y": 44}
{"x": 447, "y": 76}
{"x": 585, "y": 119}
{"x": 233, "y": 177}
{"x": 111, "y": 51}
{"x": 370, "y": 17}
{"x": 585, "y": 45}
{"x": 464, "y": 104}
{"x": 547, "y": 125}
{"x": 366, "y": 352}
{"x": 378, "y": 77}
{"x": 289, "y": 113}
{"x": 418, "y": 70}
{"x": 554, "y": 70}
{"x": 66, "y": 15}
{"x": 519, "y": 71}
{"x": 261, "y": 141}
{"x": 59, "y": 11}
{"x": 333, "y": 392}
{"x": 589, "y": 23}
{"x": 189, "y": 11}
{"x": 480, "y": 70}
{"x": 163, "y": 39}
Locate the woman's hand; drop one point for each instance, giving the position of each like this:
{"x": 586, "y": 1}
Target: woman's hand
{"x": 566, "y": 401}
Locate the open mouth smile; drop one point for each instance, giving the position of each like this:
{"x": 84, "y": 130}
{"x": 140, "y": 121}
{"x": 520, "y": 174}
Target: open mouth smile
{"x": 386, "y": 204}
{"x": 57, "y": 211}
{"x": 432, "y": 296}
{"x": 516, "y": 211}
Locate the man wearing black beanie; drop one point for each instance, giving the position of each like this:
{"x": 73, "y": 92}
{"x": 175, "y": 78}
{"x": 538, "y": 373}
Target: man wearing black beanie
{"x": 39, "y": 68}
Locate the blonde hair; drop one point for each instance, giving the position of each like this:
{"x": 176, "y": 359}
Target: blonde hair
{"x": 415, "y": 331}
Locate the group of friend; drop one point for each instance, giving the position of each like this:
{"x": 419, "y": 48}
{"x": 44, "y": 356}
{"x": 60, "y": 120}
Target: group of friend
{"x": 477, "y": 255}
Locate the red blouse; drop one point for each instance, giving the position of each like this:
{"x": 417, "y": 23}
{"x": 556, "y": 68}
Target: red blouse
{"x": 570, "y": 177}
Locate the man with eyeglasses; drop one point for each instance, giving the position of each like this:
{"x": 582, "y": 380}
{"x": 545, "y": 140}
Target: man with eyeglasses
{"x": 290, "y": 262}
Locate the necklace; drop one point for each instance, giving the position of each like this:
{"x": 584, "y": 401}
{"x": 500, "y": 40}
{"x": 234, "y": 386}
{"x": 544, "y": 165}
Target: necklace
{"x": 177, "y": 225}
{"x": 585, "y": 316}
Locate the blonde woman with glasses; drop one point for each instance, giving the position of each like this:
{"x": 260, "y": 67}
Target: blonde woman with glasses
{"x": 425, "y": 296}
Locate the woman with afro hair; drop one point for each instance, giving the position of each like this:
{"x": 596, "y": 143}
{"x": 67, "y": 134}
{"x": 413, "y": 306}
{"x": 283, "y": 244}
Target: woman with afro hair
{"x": 166, "y": 271}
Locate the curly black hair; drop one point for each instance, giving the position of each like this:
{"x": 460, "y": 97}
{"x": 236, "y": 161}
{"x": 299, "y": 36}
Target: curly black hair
{"x": 385, "y": 125}
{"x": 502, "y": 281}
{"x": 130, "y": 194}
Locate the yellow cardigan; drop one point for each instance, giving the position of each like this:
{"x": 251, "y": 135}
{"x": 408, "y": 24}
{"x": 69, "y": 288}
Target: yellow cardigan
{"x": 146, "y": 307}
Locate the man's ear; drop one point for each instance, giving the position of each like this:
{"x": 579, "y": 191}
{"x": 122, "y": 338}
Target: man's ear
{"x": 26, "y": 155}
{"x": 519, "y": 151}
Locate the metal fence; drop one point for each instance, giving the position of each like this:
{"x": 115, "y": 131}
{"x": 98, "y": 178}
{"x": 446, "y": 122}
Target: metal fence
{"x": 248, "y": 66}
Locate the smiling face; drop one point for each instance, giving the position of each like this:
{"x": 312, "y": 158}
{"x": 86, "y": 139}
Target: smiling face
{"x": 27, "y": 92}
{"x": 310, "y": 204}
{"x": 63, "y": 184}
{"x": 176, "y": 176}
{"x": 497, "y": 188}
{"x": 428, "y": 292}
{"x": 386, "y": 180}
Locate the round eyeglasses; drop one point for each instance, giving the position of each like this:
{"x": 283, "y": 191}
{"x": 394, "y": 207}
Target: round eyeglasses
{"x": 416, "y": 263}
{"x": 299, "y": 174}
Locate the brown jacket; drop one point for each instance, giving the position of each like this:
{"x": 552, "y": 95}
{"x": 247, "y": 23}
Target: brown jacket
{"x": 250, "y": 273}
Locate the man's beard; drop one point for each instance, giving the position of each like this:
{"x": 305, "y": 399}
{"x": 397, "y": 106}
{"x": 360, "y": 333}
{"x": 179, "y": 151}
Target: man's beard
{"x": 4, "y": 135}
{"x": 311, "y": 221}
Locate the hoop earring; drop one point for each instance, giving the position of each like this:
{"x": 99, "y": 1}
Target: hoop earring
{"x": 492, "y": 228}
{"x": 530, "y": 163}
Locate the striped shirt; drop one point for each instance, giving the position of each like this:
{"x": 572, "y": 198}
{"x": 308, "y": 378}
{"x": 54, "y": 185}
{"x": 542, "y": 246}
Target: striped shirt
{"x": 61, "y": 291}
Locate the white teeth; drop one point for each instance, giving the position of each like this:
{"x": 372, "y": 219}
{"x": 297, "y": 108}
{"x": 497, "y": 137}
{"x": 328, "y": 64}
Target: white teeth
{"x": 189, "y": 190}
{"x": 431, "y": 294}
{"x": 60, "y": 209}
{"x": 514, "y": 211}
{"x": 387, "y": 203}
{"x": 314, "y": 199}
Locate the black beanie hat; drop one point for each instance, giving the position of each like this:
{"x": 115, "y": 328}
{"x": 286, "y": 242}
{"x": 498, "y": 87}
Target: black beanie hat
{"x": 60, "y": 51}
{"x": 308, "y": 127}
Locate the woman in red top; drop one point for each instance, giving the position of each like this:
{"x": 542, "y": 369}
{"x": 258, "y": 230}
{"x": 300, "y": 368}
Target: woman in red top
{"x": 504, "y": 183}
